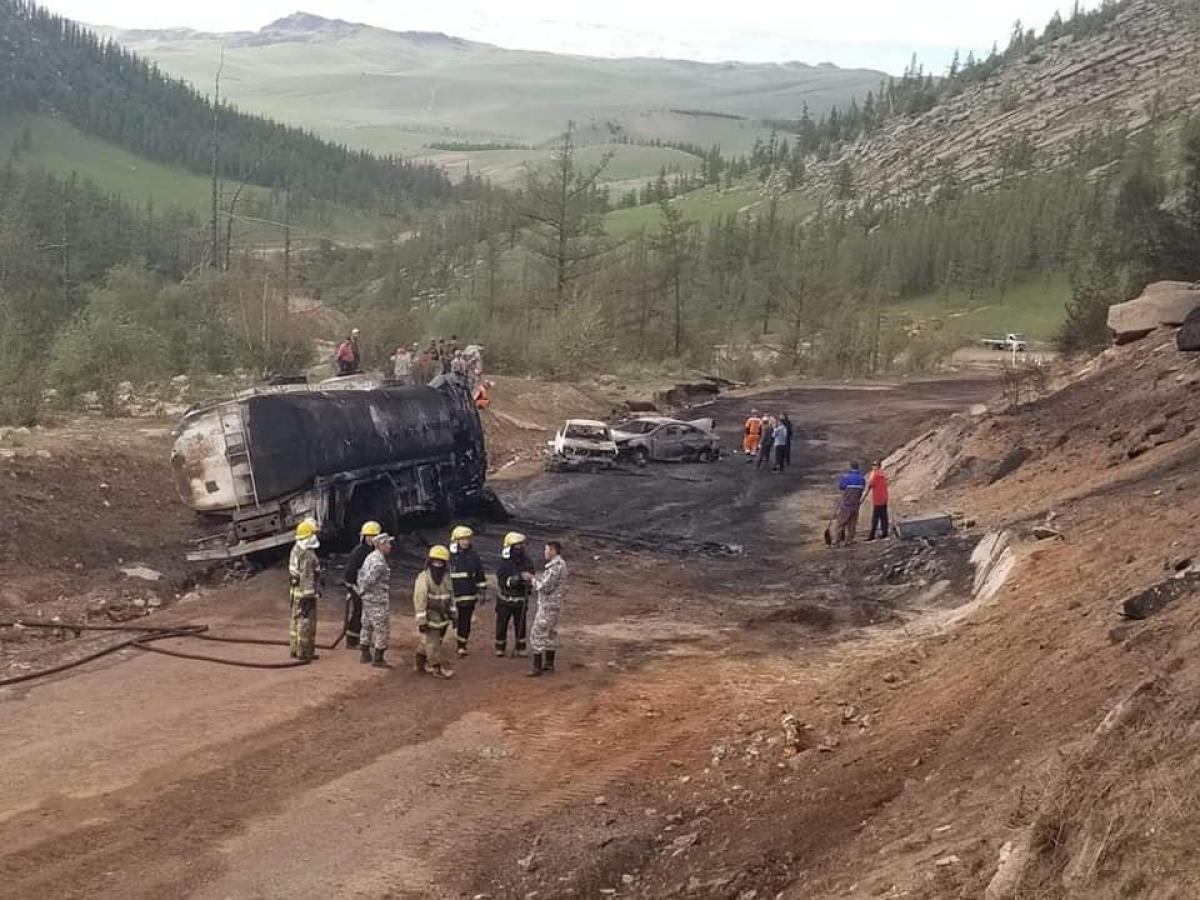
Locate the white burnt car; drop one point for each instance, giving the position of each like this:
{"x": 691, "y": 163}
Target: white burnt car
{"x": 667, "y": 440}
{"x": 584, "y": 442}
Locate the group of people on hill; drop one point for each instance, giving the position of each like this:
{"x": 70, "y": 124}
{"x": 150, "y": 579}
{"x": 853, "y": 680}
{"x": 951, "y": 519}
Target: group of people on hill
{"x": 446, "y": 594}
{"x": 411, "y": 365}
{"x": 767, "y": 440}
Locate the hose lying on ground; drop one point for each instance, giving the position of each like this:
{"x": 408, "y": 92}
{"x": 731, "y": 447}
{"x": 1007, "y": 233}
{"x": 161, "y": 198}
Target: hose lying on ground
{"x": 144, "y": 635}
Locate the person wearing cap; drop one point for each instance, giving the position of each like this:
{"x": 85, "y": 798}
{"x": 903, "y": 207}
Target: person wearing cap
{"x": 514, "y": 579}
{"x": 374, "y": 586}
{"x": 468, "y": 582}
{"x": 303, "y": 572}
{"x": 433, "y": 604}
{"x": 354, "y": 562}
{"x": 551, "y": 587}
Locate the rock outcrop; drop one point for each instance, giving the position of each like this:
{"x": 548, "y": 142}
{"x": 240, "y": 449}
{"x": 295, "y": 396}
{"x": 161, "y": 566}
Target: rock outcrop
{"x": 1189, "y": 335}
{"x": 1163, "y": 304}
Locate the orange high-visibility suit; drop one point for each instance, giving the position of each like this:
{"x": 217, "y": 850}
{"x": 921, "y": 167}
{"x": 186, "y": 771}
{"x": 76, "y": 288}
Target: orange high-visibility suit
{"x": 753, "y": 435}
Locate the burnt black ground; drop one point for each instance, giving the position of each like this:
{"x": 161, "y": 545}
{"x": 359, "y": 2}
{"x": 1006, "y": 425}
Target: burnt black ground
{"x": 726, "y": 503}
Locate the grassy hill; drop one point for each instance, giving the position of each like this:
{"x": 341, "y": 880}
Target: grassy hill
{"x": 44, "y": 142}
{"x": 388, "y": 91}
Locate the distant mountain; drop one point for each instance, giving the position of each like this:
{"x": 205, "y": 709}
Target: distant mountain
{"x": 53, "y": 67}
{"x": 401, "y": 91}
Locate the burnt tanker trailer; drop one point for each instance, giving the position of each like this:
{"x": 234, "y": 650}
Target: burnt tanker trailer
{"x": 340, "y": 453}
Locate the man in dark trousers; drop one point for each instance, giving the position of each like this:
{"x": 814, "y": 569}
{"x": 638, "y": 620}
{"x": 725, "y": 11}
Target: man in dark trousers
{"x": 467, "y": 580}
{"x": 514, "y": 584}
{"x": 363, "y": 549}
{"x": 786, "y": 458}
{"x": 877, "y": 490}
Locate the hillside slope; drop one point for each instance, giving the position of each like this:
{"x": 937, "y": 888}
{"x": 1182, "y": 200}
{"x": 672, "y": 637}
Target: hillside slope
{"x": 1050, "y": 105}
{"x": 391, "y": 91}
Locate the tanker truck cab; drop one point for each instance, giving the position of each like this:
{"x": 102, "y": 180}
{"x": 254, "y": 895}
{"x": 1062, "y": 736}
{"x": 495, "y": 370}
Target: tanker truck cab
{"x": 257, "y": 464}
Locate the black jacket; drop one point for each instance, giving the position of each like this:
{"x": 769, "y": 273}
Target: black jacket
{"x": 466, "y": 573}
{"x": 354, "y": 562}
{"x": 508, "y": 574}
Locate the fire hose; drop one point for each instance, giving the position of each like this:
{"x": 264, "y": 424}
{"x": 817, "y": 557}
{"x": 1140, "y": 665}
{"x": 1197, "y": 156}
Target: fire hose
{"x": 142, "y": 637}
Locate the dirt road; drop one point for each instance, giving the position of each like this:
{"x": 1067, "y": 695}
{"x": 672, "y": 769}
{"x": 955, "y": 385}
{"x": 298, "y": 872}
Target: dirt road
{"x": 146, "y": 776}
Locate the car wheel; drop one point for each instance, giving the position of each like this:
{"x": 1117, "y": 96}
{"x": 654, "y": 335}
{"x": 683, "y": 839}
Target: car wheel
{"x": 641, "y": 456}
{"x": 708, "y": 455}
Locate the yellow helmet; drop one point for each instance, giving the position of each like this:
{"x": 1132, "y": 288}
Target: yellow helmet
{"x": 371, "y": 529}
{"x": 461, "y": 533}
{"x": 440, "y": 553}
{"x": 306, "y": 529}
{"x": 513, "y": 538}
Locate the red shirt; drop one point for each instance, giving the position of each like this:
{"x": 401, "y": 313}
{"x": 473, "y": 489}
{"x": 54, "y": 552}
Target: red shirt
{"x": 877, "y": 484}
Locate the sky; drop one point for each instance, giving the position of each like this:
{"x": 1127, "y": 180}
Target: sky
{"x": 880, "y": 34}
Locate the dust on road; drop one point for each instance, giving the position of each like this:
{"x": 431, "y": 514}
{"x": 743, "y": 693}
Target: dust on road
{"x": 152, "y": 777}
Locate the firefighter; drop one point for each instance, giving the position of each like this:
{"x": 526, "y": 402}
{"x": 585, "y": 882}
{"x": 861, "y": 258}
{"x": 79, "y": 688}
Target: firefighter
{"x": 363, "y": 549}
{"x": 514, "y": 578}
{"x": 373, "y": 586}
{"x": 303, "y": 571}
{"x": 551, "y": 587}
{"x": 433, "y": 603}
{"x": 468, "y": 581}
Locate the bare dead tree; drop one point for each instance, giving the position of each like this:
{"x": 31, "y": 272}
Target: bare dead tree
{"x": 215, "y": 249}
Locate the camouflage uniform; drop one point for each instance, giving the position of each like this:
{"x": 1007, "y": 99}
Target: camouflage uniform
{"x": 433, "y": 603}
{"x": 373, "y": 587}
{"x": 551, "y": 588}
{"x": 303, "y": 570}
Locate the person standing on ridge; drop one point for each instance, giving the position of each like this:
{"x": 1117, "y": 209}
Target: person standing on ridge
{"x": 468, "y": 582}
{"x": 551, "y": 587}
{"x": 304, "y": 570}
{"x": 374, "y": 586}
{"x": 363, "y": 549}
{"x": 514, "y": 581}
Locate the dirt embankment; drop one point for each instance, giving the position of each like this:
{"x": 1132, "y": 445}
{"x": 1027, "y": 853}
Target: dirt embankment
{"x": 82, "y": 501}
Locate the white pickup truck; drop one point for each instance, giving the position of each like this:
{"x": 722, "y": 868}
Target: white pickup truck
{"x": 1010, "y": 342}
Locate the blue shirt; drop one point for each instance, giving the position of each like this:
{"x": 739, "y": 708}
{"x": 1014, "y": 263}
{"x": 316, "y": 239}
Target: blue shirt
{"x": 851, "y": 480}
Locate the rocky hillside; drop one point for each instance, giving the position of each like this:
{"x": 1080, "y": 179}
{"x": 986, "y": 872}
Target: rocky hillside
{"x": 1141, "y": 67}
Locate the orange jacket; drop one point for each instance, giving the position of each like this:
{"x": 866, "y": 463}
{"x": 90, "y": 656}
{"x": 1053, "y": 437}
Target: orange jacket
{"x": 754, "y": 426}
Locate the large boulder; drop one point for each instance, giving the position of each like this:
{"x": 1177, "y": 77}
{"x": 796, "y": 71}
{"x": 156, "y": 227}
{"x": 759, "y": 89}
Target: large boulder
{"x": 1189, "y": 335}
{"x": 1165, "y": 303}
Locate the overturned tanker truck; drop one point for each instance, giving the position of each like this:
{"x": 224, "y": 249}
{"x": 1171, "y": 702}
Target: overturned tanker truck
{"x": 341, "y": 453}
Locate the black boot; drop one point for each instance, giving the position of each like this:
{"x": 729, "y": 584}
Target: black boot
{"x": 380, "y": 662}
{"x": 364, "y": 654}
{"x": 537, "y": 666}
{"x": 550, "y": 661}
{"x": 351, "y": 641}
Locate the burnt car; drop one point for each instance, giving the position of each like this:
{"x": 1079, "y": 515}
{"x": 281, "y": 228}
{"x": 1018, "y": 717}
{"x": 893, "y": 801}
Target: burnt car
{"x": 667, "y": 440}
{"x": 583, "y": 443}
